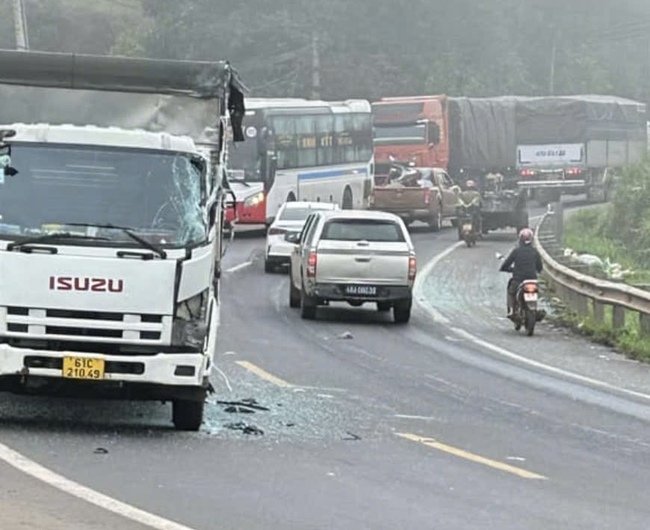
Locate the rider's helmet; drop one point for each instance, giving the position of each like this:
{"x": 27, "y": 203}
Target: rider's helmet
{"x": 526, "y": 236}
{"x": 470, "y": 185}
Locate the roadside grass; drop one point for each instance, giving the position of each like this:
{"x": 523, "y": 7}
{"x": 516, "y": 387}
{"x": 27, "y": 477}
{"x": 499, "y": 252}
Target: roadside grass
{"x": 627, "y": 340}
{"x": 585, "y": 232}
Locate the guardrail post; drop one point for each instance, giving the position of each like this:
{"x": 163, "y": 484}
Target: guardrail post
{"x": 618, "y": 320}
{"x": 599, "y": 312}
{"x": 644, "y": 324}
{"x": 580, "y": 303}
{"x": 558, "y": 208}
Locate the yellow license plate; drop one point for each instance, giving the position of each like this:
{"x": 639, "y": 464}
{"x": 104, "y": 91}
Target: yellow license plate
{"x": 83, "y": 368}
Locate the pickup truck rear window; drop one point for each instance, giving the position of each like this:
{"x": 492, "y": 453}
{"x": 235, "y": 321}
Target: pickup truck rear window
{"x": 362, "y": 229}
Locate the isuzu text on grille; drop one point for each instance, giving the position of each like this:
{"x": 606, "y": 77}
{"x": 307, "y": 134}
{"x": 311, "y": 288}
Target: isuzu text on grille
{"x": 97, "y": 285}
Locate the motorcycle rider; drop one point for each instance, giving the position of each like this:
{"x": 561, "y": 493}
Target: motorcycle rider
{"x": 470, "y": 198}
{"x": 524, "y": 262}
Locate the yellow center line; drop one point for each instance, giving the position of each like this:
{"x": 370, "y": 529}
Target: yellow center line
{"x": 430, "y": 442}
{"x": 263, "y": 374}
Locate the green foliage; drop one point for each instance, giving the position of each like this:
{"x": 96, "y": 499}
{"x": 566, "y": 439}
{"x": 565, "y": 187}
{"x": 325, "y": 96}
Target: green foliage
{"x": 629, "y": 223}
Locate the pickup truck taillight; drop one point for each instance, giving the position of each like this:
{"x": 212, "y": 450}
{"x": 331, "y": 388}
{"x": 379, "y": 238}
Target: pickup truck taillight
{"x": 427, "y": 196}
{"x": 276, "y": 231}
{"x": 311, "y": 265}
{"x": 413, "y": 267}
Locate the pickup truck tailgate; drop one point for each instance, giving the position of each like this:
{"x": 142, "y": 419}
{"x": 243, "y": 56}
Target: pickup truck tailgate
{"x": 362, "y": 262}
{"x": 390, "y": 198}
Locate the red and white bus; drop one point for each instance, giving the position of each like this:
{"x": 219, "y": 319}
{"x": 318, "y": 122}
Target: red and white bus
{"x": 304, "y": 150}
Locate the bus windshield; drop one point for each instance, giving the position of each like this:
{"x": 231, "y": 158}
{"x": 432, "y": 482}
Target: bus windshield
{"x": 156, "y": 194}
{"x": 245, "y": 161}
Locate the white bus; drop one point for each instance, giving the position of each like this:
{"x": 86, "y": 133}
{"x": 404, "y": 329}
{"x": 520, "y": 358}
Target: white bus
{"x": 297, "y": 149}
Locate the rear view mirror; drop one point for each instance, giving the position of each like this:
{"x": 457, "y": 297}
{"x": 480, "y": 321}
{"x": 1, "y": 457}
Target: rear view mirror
{"x": 292, "y": 237}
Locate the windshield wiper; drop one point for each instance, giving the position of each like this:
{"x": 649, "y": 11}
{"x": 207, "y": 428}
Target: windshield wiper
{"x": 146, "y": 244}
{"x": 52, "y": 236}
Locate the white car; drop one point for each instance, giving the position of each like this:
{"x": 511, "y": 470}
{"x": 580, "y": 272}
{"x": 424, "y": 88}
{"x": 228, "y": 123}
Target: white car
{"x": 291, "y": 217}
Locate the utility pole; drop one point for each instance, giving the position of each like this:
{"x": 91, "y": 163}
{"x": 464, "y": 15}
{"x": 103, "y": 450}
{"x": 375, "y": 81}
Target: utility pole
{"x": 315, "y": 67}
{"x": 20, "y": 26}
{"x": 551, "y": 81}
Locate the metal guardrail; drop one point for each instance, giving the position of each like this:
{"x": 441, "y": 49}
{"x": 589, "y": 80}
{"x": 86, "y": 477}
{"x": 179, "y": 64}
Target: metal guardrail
{"x": 586, "y": 295}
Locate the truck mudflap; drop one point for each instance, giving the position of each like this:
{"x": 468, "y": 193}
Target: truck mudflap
{"x": 170, "y": 374}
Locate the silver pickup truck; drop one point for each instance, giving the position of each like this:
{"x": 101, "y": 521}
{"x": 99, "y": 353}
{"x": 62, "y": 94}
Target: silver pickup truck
{"x": 355, "y": 257}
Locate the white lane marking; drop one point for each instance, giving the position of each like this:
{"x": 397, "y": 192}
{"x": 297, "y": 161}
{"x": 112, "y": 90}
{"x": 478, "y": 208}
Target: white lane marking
{"x": 435, "y": 315}
{"x": 29, "y": 467}
{"x": 240, "y": 266}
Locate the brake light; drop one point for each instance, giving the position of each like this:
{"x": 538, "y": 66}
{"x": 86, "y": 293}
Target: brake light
{"x": 530, "y": 288}
{"x": 427, "y": 196}
{"x": 311, "y": 265}
{"x": 574, "y": 171}
{"x": 527, "y": 172}
{"x": 413, "y": 267}
{"x": 276, "y": 231}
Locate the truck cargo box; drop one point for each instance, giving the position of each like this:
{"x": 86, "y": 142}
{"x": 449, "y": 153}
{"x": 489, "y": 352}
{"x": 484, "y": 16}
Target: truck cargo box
{"x": 482, "y": 133}
{"x": 579, "y": 119}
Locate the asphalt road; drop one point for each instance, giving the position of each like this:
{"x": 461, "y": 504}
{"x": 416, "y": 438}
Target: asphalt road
{"x": 368, "y": 424}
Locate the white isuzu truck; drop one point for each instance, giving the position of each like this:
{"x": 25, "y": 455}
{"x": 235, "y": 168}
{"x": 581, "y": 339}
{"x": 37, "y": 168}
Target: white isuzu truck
{"x": 112, "y": 190}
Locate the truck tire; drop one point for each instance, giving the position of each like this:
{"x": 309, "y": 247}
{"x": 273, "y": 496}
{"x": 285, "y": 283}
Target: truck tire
{"x": 307, "y": 305}
{"x": 294, "y": 294}
{"x": 187, "y": 415}
{"x": 436, "y": 221}
{"x": 522, "y": 221}
{"x": 383, "y": 307}
{"x": 268, "y": 266}
{"x": 402, "y": 311}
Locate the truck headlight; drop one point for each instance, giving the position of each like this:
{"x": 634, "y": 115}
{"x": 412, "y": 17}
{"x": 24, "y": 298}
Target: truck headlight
{"x": 190, "y": 327}
{"x": 254, "y": 200}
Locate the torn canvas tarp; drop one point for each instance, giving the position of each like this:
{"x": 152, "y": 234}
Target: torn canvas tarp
{"x": 178, "y": 97}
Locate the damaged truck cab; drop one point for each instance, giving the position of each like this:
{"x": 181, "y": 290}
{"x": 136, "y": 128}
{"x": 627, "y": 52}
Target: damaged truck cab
{"x": 111, "y": 201}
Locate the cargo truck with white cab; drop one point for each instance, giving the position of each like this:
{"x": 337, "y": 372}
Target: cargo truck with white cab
{"x": 111, "y": 211}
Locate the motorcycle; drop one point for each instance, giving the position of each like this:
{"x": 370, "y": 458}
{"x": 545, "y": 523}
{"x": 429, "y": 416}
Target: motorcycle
{"x": 467, "y": 231}
{"x": 526, "y": 312}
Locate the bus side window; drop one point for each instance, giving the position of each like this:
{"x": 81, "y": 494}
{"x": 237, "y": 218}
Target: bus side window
{"x": 285, "y": 142}
{"x": 362, "y": 140}
{"x": 343, "y": 125}
{"x": 306, "y": 140}
{"x": 325, "y": 139}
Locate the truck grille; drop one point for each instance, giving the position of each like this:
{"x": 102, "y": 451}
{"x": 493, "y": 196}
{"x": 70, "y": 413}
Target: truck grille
{"x": 69, "y": 325}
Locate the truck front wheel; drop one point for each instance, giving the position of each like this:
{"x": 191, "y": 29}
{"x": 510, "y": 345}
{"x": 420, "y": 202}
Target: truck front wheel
{"x": 187, "y": 415}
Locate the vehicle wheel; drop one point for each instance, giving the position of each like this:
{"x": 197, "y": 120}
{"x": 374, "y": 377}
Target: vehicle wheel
{"x": 268, "y": 266}
{"x": 383, "y": 307}
{"x": 187, "y": 415}
{"x": 436, "y": 222}
{"x": 291, "y": 198}
{"x": 522, "y": 221}
{"x": 307, "y": 305}
{"x": 531, "y": 319}
{"x": 294, "y": 294}
{"x": 402, "y": 311}
{"x": 348, "y": 200}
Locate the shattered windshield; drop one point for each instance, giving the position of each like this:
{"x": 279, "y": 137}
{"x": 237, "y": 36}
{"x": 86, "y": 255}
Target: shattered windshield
{"x": 156, "y": 194}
